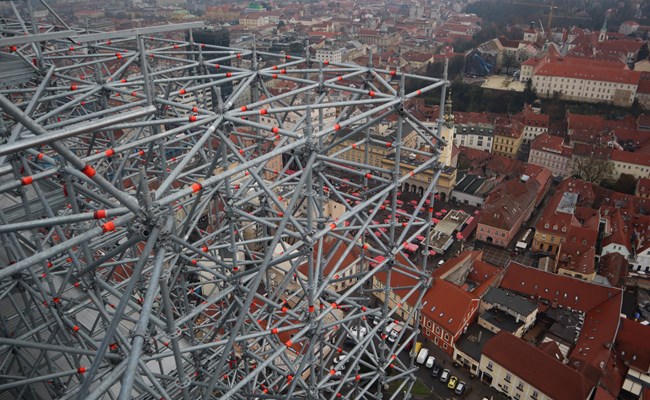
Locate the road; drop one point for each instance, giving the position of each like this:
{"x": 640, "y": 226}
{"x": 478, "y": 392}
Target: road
{"x": 475, "y": 389}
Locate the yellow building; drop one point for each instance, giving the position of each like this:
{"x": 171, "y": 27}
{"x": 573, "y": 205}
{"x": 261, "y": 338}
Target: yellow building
{"x": 508, "y": 135}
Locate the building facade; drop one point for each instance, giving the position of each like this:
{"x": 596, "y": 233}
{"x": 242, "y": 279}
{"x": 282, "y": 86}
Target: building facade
{"x": 550, "y": 152}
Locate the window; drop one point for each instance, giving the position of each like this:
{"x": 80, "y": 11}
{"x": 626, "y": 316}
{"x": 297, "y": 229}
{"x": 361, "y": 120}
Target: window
{"x": 534, "y": 395}
{"x": 446, "y": 337}
{"x": 508, "y": 378}
{"x": 437, "y": 330}
{"x": 490, "y": 365}
{"x": 520, "y": 386}
{"x": 517, "y": 396}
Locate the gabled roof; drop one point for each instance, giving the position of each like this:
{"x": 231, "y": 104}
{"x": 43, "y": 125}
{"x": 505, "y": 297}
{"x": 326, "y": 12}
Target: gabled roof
{"x": 632, "y": 344}
{"x": 537, "y": 368}
{"x": 613, "y": 266}
{"x": 551, "y": 144}
{"x": 565, "y": 291}
{"x": 577, "y": 253}
{"x": 447, "y": 305}
{"x": 619, "y": 231}
{"x": 505, "y": 205}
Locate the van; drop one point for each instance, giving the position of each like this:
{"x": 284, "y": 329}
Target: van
{"x": 392, "y": 337}
{"x": 422, "y": 356}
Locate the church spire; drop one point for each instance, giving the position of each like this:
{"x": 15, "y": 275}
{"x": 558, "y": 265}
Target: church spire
{"x": 603, "y": 32}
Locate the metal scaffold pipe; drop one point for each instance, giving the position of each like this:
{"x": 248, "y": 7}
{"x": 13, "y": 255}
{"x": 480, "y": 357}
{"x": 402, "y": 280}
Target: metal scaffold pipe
{"x": 172, "y": 225}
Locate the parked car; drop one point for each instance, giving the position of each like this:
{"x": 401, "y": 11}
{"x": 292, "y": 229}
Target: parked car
{"x": 430, "y": 362}
{"x": 460, "y": 388}
{"x": 444, "y": 377}
{"x": 436, "y": 370}
{"x": 338, "y": 359}
{"x": 452, "y": 382}
{"x": 422, "y": 356}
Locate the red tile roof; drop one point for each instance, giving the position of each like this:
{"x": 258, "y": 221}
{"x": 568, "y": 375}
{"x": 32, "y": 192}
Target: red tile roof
{"x": 601, "y": 305}
{"x": 503, "y": 166}
{"x": 613, "y": 266}
{"x": 447, "y": 305}
{"x": 537, "y": 368}
{"x": 332, "y": 253}
{"x": 644, "y": 87}
{"x": 632, "y": 344}
{"x": 551, "y": 144}
{"x": 507, "y": 205}
{"x": 619, "y": 231}
{"x": 566, "y": 291}
{"x": 577, "y": 253}
{"x": 643, "y": 187}
{"x": 631, "y": 158}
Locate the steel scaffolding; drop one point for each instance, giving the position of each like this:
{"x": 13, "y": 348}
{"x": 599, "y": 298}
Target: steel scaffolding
{"x": 184, "y": 220}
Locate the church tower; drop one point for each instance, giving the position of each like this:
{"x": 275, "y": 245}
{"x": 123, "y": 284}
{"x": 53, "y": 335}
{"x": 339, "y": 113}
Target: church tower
{"x": 603, "y": 32}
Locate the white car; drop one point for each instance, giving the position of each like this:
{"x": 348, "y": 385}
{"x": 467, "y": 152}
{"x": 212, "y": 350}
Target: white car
{"x": 430, "y": 361}
{"x": 360, "y": 334}
{"x": 338, "y": 359}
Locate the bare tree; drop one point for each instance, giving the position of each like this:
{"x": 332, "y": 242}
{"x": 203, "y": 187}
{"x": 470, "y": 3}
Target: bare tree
{"x": 509, "y": 61}
{"x": 592, "y": 169}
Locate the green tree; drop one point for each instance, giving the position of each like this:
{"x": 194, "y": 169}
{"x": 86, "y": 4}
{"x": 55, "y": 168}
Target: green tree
{"x": 625, "y": 183}
{"x": 643, "y": 52}
{"x": 529, "y": 93}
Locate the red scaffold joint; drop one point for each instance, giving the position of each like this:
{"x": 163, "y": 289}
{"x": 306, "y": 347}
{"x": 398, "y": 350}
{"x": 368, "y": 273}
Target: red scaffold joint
{"x": 192, "y": 118}
{"x": 99, "y": 214}
{"x": 108, "y": 227}
{"x": 263, "y": 111}
{"x": 196, "y": 187}
{"x": 88, "y": 171}
{"x": 182, "y": 91}
{"x": 337, "y": 127}
{"x": 26, "y": 180}
{"x": 81, "y": 370}
{"x": 109, "y": 152}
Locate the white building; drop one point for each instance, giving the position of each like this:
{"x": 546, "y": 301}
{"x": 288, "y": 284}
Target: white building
{"x": 473, "y": 130}
{"x": 334, "y": 55}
